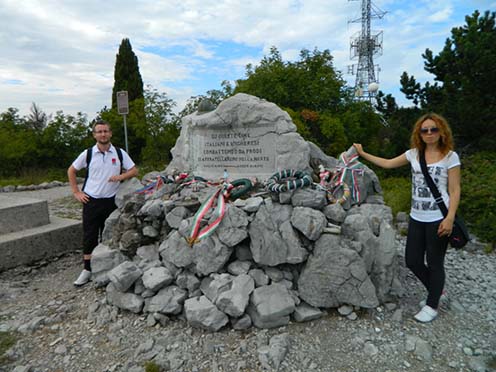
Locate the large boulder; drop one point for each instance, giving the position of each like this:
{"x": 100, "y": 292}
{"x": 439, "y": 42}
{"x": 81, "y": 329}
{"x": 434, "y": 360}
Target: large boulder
{"x": 252, "y": 132}
{"x": 335, "y": 274}
{"x": 272, "y": 238}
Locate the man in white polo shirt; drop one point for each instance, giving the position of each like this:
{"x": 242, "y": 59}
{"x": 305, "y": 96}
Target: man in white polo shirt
{"x": 105, "y": 172}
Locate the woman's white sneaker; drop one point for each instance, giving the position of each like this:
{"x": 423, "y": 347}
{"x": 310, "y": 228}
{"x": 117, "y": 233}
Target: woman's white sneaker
{"x": 443, "y": 300}
{"x": 83, "y": 278}
{"x": 426, "y": 314}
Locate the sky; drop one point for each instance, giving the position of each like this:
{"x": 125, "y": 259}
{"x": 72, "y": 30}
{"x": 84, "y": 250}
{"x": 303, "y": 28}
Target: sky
{"x": 60, "y": 54}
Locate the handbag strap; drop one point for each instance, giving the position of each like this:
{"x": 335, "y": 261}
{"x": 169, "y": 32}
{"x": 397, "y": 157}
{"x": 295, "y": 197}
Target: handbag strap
{"x": 435, "y": 192}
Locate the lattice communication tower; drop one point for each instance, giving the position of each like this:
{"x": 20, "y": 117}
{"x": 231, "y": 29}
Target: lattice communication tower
{"x": 365, "y": 45}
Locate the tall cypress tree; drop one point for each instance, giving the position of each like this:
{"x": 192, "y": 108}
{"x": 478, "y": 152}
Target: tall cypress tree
{"x": 127, "y": 77}
{"x": 126, "y": 74}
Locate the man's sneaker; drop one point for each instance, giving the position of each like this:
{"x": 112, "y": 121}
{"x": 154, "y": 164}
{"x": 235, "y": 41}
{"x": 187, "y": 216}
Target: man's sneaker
{"x": 83, "y": 278}
{"x": 443, "y": 300}
{"x": 426, "y": 315}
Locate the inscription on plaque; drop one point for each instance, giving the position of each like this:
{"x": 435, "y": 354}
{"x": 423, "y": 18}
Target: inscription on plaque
{"x": 238, "y": 150}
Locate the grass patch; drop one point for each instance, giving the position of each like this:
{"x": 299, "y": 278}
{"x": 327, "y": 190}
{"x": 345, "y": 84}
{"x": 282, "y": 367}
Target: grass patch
{"x": 397, "y": 193}
{"x": 492, "y": 362}
{"x": 152, "y": 367}
{"x": 7, "y": 340}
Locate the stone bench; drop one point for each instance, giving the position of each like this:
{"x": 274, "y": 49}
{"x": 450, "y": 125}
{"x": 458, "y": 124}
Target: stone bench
{"x": 28, "y": 234}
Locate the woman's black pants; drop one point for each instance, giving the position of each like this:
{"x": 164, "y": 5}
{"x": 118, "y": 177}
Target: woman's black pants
{"x": 424, "y": 256}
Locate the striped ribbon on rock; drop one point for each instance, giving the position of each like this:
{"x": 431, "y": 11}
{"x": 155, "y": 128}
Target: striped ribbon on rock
{"x": 219, "y": 196}
{"x": 350, "y": 166}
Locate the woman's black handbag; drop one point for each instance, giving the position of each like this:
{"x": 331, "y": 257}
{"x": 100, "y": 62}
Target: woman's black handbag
{"x": 459, "y": 235}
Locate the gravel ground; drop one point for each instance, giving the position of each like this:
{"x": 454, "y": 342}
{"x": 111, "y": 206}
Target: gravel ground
{"x": 61, "y": 328}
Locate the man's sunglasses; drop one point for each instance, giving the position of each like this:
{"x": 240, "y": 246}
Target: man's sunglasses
{"x": 427, "y": 130}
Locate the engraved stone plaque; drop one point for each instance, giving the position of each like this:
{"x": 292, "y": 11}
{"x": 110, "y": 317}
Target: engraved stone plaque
{"x": 240, "y": 151}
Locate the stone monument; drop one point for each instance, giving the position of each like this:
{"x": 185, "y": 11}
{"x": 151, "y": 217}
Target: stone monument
{"x": 245, "y": 135}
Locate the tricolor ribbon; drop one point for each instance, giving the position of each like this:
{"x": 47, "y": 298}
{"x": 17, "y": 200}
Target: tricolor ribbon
{"x": 353, "y": 166}
{"x": 220, "y": 196}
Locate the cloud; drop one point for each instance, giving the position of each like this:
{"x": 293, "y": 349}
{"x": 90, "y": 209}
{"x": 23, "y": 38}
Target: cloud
{"x": 61, "y": 54}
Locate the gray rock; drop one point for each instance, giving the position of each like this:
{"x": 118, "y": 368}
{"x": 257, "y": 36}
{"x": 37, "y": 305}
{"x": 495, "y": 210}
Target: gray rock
{"x": 110, "y": 224}
{"x": 274, "y": 274}
{"x": 210, "y": 255}
{"x": 125, "y": 301}
{"x": 270, "y": 306}
{"x": 168, "y": 300}
{"x": 244, "y": 322}
{"x": 156, "y": 277}
{"x": 259, "y": 277}
{"x": 419, "y": 347}
{"x": 187, "y": 280}
{"x": 152, "y": 208}
{"x": 126, "y": 188}
{"x": 272, "y": 238}
{"x": 103, "y": 260}
{"x": 202, "y": 313}
{"x": 239, "y": 267}
{"x": 253, "y": 204}
{"x": 124, "y": 275}
{"x": 176, "y": 250}
{"x": 385, "y": 263}
{"x": 335, "y": 213}
{"x": 150, "y": 232}
{"x": 271, "y": 356}
{"x": 232, "y": 229}
{"x": 175, "y": 216}
{"x": 22, "y": 369}
{"x": 148, "y": 253}
{"x": 215, "y": 284}
{"x": 310, "y": 198}
{"x": 308, "y": 221}
{"x": 233, "y": 301}
{"x": 304, "y": 313}
{"x": 334, "y": 275}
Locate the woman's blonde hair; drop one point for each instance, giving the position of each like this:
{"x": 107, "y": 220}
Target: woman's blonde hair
{"x": 446, "y": 143}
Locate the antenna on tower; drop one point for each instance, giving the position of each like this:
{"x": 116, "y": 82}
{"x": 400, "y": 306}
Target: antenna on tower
{"x": 365, "y": 45}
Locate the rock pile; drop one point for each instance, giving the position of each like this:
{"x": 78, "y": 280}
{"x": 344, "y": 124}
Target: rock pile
{"x": 272, "y": 258}
{"x": 274, "y": 255}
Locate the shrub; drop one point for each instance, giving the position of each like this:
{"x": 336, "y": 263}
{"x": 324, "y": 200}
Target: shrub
{"x": 397, "y": 193}
{"x": 478, "y": 201}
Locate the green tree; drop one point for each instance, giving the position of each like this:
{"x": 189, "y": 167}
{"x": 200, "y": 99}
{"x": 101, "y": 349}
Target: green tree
{"x": 310, "y": 83}
{"x": 215, "y": 96}
{"x": 63, "y": 139}
{"x": 316, "y": 98}
{"x": 126, "y": 74}
{"x": 37, "y": 119}
{"x": 162, "y": 128}
{"x": 127, "y": 77}
{"x": 17, "y": 143}
{"x": 464, "y": 82}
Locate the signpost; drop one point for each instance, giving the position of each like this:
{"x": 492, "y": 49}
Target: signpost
{"x": 123, "y": 109}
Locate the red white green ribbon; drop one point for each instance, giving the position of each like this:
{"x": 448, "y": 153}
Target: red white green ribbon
{"x": 220, "y": 196}
{"x": 353, "y": 166}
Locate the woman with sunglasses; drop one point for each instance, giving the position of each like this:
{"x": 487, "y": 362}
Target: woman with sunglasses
{"x": 428, "y": 230}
